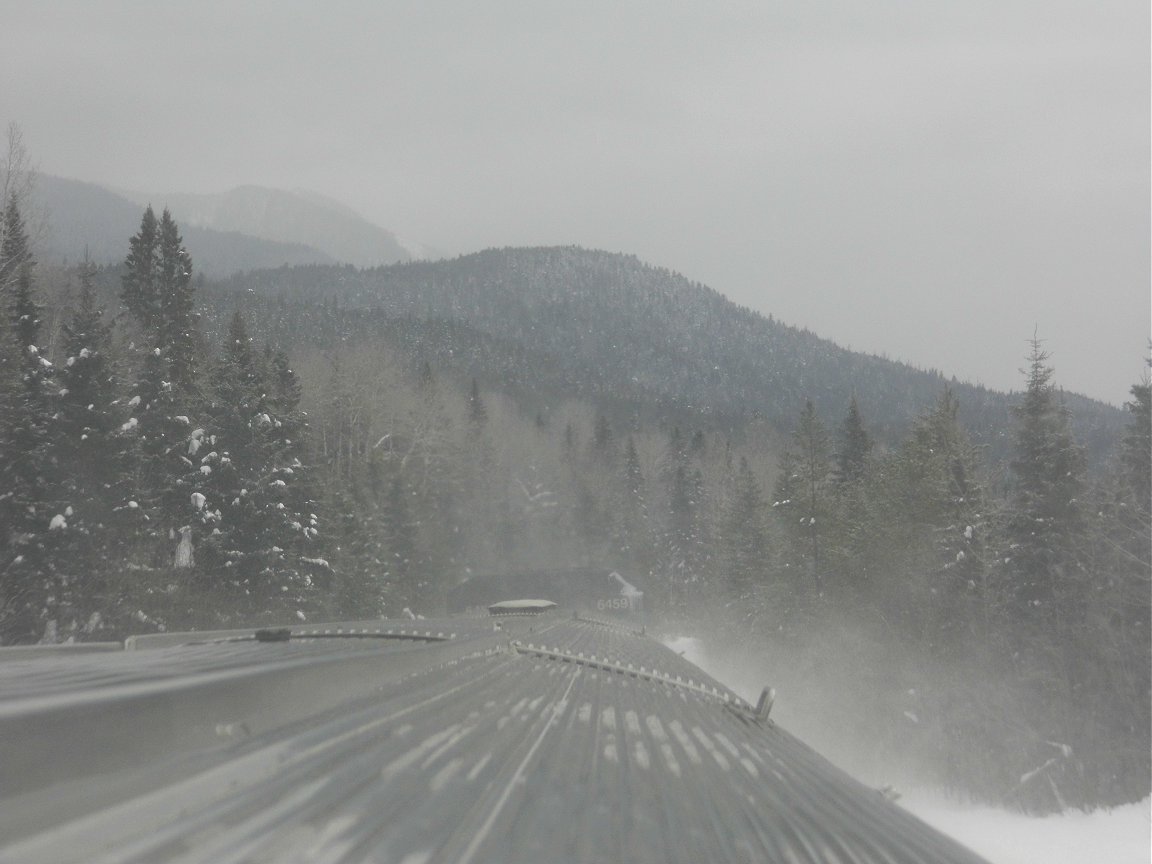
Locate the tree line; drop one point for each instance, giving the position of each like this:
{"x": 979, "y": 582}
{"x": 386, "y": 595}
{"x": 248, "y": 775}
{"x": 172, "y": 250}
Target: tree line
{"x": 150, "y": 480}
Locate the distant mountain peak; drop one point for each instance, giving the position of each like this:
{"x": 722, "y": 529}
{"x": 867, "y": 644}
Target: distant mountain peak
{"x": 88, "y": 219}
{"x": 246, "y": 227}
{"x": 295, "y": 216}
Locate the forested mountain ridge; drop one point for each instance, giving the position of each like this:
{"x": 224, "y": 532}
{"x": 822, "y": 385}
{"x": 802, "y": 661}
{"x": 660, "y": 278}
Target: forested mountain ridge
{"x": 623, "y": 328}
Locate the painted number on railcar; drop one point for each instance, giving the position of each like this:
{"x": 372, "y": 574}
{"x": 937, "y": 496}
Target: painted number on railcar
{"x": 613, "y": 603}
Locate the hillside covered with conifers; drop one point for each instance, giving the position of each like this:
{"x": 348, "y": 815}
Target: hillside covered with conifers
{"x": 620, "y": 331}
{"x": 969, "y": 569}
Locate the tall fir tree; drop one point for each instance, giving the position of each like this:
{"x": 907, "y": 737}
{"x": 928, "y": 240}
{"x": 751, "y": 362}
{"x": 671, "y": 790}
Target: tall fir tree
{"x": 928, "y": 522}
{"x": 683, "y": 560}
{"x": 91, "y": 471}
{"x": 27, "y": 577}
{"x": 855, "y": 448}
{"x": 140, "y": 292}
{"x": 1045, "y": 521}
{"x": 1137, "y": 444}
{"x": 170, "y": 442}
{"x": 632, "y": 533}
{"x": 177, "y": 334}
{"x": 802, "y": 496}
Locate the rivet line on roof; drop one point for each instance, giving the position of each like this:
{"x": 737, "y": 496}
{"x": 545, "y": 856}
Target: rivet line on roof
{"x": 643, "y": 673}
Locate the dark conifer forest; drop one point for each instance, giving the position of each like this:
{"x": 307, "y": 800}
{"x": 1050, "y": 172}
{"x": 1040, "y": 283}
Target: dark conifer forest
{"x": 970, "y": 570}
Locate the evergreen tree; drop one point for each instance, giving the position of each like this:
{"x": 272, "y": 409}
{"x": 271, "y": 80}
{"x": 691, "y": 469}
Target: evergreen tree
{"x": 803, "y": 500}
{"x": 357, "y": 588}
{"x": 855, "y": 447}
{"x": 631, "y": 528}
{"x": 177, "y": 333}
{"x": 1137, "y": 445}
{"x": 91, "y": 467}
{"x": 167, "y": 439}
{"x": 633, "y": 473}
{"x": 26, "y": 569}
{"x": 253, "y": 502}
{"x": 685, "y": 548}
{"x": 157, "y": 291}
{"x": 927, "y": 527}
{"x": 1116, "y": 636}
{"x": 16, "y": 264}
{"x": 1045, "y": 523}
{"x": 139, "y": 290}
{"x": 603, "y": 444}
{"x": 172, "y": 451}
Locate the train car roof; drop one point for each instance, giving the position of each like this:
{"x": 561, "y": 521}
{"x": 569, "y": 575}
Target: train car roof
{"x": 532, "y": 739}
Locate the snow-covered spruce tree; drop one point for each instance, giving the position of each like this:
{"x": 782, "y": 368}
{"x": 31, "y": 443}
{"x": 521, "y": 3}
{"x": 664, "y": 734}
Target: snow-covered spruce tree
{"x": 163, "y": 438}
{"x": 298, "y": 519}
{"x": 257, "y": 539}
{"x": 91, "y": 469}
{"x": 27, "y": 579}
{"x": 157, "y": 292}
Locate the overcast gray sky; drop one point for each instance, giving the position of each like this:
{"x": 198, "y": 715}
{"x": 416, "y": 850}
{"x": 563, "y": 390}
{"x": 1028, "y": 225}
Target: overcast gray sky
{"x": 925, "y": 180}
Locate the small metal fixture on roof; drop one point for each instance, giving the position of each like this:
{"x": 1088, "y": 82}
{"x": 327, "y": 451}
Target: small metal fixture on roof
{"x": 764, "y": 706}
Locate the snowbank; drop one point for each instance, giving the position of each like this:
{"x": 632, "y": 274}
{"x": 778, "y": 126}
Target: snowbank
{"x": 1119, "y": 836}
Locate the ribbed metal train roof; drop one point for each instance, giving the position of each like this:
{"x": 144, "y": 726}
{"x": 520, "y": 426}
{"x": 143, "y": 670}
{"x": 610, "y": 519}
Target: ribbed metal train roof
{"x": 540, "y": 739}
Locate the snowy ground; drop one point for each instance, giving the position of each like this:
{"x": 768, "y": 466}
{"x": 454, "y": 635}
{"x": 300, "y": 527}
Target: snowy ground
{"x": 1120, "y": 836}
